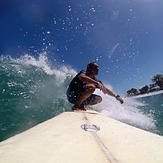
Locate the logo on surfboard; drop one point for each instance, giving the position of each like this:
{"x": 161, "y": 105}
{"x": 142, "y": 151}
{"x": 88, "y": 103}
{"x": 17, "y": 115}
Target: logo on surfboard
{"x": 90, "y": 127}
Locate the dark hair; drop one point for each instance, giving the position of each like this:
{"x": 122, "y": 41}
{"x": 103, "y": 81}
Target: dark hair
{"x": 91, "y": 65}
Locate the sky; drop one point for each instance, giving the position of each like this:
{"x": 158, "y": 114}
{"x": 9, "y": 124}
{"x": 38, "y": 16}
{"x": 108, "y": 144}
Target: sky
{"x": 125, "y": 37}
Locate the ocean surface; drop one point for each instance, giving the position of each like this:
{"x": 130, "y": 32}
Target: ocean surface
{"x": 153, "y": 105}
{"x": 33, "y": 91}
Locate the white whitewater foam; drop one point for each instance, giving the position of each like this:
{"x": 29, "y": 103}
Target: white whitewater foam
{"x": 42, "y": 62}
{"x": 127, "y": 112}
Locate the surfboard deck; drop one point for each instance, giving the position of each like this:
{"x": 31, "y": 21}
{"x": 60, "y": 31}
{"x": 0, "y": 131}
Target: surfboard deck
{"x": 64, "y": 140}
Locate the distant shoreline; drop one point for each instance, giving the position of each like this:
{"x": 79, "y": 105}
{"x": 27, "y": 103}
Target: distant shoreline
{"x": 148, "y": 94}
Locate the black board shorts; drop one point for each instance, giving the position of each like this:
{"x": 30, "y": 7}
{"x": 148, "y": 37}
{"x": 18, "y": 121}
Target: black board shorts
{"x": 73, "y": 97}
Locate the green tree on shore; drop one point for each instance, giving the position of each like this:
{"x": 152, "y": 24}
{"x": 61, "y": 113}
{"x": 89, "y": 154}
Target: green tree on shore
{"x": 155, "y": 86}
{"x": 132, "y": 91}
{"x": 158, "y": 80}
{"x": 144, "y": 89}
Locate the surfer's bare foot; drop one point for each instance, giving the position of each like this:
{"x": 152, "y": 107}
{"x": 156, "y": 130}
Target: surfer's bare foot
{"x": 85, "y": 107}
{"x": 82, "y": 108}
{"x": 76, "y": 107}
{"x": 79, "y": 108}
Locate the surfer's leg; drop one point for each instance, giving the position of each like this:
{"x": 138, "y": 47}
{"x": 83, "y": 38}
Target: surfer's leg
{"x": 95, "y": 99}
{"x": 90, "y": 88}
{"x": 92, "y": 100}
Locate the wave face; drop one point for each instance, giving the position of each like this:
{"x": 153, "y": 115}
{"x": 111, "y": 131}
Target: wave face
{"x": 32, "y": 91}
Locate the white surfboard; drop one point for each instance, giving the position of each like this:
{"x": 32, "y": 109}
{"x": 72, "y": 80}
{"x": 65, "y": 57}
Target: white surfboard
{"x": 82, "y": 137}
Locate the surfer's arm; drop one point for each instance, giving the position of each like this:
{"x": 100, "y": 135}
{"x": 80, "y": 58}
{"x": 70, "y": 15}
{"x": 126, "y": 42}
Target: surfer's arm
{"x": 86, "y": 79}
{"x": 98, "y": 84}
{"x": 105, "y": 90}
{"x": 109, "y": 92}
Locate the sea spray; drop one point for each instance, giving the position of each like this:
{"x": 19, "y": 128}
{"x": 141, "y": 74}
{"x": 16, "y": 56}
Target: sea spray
{"x": 127, "y": 112}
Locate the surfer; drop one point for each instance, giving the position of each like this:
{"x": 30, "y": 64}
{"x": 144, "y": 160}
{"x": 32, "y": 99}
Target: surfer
{"x": 82, "y": 86}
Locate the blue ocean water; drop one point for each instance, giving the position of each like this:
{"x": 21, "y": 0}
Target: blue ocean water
{"x": 153, "y": 105}
{"x": 32, "y": 91}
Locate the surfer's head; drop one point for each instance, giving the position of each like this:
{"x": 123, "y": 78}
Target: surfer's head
{"x": 92, "y": 68}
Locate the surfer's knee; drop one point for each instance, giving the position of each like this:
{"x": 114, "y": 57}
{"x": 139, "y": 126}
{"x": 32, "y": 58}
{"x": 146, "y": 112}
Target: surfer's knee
{"x": 98, "y": 99}
{"x": 91, "y": 87}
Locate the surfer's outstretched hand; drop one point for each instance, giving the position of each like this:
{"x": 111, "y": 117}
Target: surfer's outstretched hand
{"x": 120, "y": 99}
